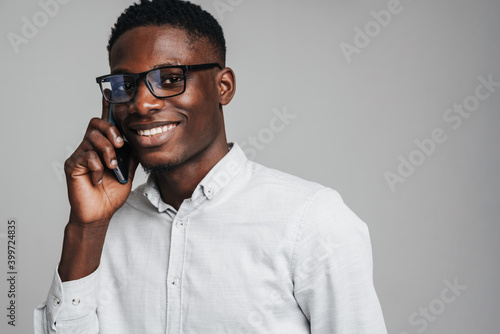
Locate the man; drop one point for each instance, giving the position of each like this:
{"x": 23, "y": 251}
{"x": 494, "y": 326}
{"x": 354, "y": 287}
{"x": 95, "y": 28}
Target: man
{"x": 212, "y": 243}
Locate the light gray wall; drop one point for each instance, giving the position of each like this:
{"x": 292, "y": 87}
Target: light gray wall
{"x": 357, "y": 114}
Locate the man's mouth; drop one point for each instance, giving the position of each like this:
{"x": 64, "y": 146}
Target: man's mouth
{"x": 157, "y": 130}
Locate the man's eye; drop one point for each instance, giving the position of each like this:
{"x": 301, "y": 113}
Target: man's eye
{"x": 172, "y": 80}
{"x": 123, "y": 87}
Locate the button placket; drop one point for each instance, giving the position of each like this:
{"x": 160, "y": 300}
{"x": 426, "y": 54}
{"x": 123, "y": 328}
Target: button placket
{"x": 174, "y": 273}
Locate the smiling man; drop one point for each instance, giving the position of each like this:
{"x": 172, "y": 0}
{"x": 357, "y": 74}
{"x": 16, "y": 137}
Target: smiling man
{"x": 212, "y": 243}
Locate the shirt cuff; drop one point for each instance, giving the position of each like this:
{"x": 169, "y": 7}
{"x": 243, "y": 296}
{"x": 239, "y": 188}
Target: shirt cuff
{"x": 72, "y": 299}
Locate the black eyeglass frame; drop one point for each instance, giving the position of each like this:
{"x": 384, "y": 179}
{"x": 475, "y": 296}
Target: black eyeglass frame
{"x": 143, "y": 76}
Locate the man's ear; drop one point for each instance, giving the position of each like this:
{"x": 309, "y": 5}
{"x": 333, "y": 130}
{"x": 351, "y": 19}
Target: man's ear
{"x": 227, "y": 85}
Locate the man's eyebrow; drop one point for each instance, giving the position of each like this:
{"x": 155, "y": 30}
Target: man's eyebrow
{"x": 123, "y": 71}
{"x": 166, "y": 64}
{"x": 119, "y": 71}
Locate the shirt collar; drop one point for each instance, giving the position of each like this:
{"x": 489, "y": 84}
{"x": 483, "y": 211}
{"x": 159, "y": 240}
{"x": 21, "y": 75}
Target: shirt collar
{"x": 216, "y": 179}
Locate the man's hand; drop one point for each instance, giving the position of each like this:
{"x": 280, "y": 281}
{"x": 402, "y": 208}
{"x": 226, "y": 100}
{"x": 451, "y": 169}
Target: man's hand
{"x": 94, "y": 195}
{"x": 93, "y": 190}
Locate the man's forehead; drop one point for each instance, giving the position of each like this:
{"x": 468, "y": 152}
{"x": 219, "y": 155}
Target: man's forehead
{"x": 144, "y": 48}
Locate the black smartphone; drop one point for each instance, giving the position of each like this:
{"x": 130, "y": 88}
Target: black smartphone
{"x": 122, "y": 154}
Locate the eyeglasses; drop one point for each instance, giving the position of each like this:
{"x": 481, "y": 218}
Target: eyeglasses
{"x": 162, "y": 82}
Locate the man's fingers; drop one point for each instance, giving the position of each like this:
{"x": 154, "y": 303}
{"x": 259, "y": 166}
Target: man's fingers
{"x": 107, "y": 129}
{"x": 104, "y": 126}
{"x": 113, "y": 132}
{"x": 94, "y": 165}
{"x": 105, "y": 109}
{"x": 87, "y": 163}
{"x": 104, "y": 148}
{"x": 96, "y": 150}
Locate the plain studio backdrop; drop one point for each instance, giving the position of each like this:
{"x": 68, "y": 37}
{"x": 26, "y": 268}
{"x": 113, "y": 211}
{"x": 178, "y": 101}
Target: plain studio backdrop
{"x": 395, "y": 104}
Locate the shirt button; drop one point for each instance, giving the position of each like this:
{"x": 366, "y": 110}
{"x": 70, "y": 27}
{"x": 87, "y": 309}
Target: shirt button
{"x": 56, "y": 301}
{"x": 210, "y": 191}
{"x": 175, "y": 280}
{"x": 76, "y": 301}
{"x": 179, "y": 223}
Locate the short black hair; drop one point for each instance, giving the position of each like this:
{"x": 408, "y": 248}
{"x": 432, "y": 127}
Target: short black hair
{"x": 180, "y": 14}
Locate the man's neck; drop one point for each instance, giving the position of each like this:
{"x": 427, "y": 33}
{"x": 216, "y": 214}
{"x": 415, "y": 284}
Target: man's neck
{"x": 179, "y": 184}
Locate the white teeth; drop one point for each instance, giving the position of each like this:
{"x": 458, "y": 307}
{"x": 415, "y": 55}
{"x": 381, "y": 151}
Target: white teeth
{"x": 155, "y": 131}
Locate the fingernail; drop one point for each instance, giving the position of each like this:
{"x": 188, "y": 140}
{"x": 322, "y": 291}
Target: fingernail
{"x": 119, "y": 140}
{"x": 113, "y": 162}
{"x": 99, "y": 182}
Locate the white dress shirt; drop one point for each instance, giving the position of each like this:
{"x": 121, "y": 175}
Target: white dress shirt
{"x": 254, "y": 250}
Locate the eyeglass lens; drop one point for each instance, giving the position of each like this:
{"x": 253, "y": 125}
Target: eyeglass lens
{"x": 163, "y": 82}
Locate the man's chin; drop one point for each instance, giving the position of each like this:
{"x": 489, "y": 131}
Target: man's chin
{"x": 157, "y": 163}
{"x": 159, "y": 169}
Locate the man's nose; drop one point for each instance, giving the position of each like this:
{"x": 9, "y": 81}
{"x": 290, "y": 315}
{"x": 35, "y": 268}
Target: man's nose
{"x": 144, "y": 100}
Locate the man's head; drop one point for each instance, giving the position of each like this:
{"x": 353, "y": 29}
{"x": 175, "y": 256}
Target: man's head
{"x": 182, "y": 130}
{"x": 191, "y": 18}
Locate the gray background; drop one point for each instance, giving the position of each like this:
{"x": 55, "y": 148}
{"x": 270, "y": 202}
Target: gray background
{"x": 353, "y": 121}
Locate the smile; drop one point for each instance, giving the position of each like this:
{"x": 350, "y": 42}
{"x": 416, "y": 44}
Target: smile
{"x": 157, "y": 130}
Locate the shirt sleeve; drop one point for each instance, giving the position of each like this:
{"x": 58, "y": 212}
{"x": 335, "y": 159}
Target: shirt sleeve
{"x": 71, "y": 307}
{"x": 333, "y": 269}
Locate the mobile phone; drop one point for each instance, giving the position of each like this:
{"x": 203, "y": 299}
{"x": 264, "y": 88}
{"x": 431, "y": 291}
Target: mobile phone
{"x": 122, "y": 154}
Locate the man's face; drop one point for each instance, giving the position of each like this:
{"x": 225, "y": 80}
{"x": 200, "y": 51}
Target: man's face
{"x": 191, "y": 123}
